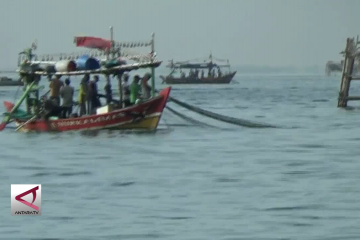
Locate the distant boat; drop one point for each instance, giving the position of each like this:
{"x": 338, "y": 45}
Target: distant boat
{"x": 8, "y": 82}
{"x": 197, "y": 77}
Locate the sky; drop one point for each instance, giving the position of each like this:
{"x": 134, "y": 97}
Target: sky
{"x": 247, "y": 32}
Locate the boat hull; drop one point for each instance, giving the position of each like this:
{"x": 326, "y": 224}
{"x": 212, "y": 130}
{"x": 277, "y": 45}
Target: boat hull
{"x": 226, "y": 79}
{"x": 10, "y": 83}
{"x": 143, "y": 116}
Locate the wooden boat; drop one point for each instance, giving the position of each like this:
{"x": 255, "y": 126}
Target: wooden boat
{"x": 8, "y": 82}
{"x": 144, "y": 115}
{"x": 194, "y": 76}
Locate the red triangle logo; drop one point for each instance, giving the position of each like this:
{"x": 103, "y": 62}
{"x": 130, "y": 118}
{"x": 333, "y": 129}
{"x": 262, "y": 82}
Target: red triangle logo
{"x": 33, "y": 191}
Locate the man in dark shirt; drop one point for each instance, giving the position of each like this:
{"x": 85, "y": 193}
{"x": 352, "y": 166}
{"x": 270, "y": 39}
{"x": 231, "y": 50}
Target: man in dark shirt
{"x": 93, "y": 94}
{"x": 108, "y": 92}
{"x": 52, "y": 109}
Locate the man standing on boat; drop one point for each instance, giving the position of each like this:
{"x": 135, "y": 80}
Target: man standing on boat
{"x": 55, "y": 86}
{"x": 93, "y": 94}
{"x": 134, "y": 89}
{"x": 108, "y": 91}
{"x": 145, "y": 88}
{"x": 126, "y": 90}
{"x": 83, "y": 94}
{"x": 67, "y": 94}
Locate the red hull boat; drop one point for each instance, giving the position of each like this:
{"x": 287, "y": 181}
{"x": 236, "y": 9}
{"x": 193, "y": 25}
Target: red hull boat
{"x": 145, "y": 116}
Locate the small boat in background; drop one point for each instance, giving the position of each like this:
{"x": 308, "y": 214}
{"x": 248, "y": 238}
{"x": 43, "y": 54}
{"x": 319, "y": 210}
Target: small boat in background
{"x": 8, "y": 82}
{"x": 195, "y": 76}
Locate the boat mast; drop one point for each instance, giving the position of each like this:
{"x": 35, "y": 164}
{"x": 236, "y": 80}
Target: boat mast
{"x": 210, "y": 64}
{"x": 153, "y": 68}
{"x": 29, "y": 79}
{"x": 112, "y": 49}
{"x": 112, "y": 42}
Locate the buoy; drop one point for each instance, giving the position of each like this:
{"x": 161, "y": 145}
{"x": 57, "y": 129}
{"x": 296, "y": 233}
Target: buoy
{"x": 113, "y": 63}
{"x": 65, "y": 66}
{"x": 86, "y": 62}
{"x": 49, "y": 68}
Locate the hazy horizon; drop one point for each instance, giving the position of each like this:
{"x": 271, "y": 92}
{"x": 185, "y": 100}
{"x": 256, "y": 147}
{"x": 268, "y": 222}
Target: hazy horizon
{"x": 249, "y": 33}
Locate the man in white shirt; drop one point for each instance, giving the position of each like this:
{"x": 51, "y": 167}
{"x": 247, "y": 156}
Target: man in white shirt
{"x": 126, "y": 91}
{"x": 67, "y": 94}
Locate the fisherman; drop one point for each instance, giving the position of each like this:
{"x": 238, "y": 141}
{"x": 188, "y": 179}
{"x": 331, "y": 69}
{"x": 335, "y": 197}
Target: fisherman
{"x": 134, "y": 89}
{"x": 83, "y": 94}
{"x": 51, "y": 109}
{"x": 67, "y": 94}
{"x": 93, "y": 95}
{"x": 145, "y": 88}
{"x": 126, "y": 90}
{"x": 202, "y": 73}
{"x": 196, "y": 74}
{"x": 108, "y": 91}
{"x": 55, "y": 85}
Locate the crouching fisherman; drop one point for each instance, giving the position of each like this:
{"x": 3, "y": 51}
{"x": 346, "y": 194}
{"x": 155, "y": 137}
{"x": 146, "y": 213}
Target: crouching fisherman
{"x": 52, "y": 109}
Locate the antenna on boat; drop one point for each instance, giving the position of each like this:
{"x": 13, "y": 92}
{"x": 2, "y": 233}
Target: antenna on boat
{"x": 112, "y": 50}
{"x": 153, "y": 54}
{"x": 112, "y": 42}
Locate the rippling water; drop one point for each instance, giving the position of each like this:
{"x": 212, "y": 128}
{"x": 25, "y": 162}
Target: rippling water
{"x": 300, "y": 181}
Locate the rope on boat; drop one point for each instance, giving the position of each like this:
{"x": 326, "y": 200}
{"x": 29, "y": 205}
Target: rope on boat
{"x": 28, "y": 121}
{"x": 219, "y": 117}
{"x": 189, "y": 119}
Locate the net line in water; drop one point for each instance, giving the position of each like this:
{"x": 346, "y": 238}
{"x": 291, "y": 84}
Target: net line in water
{"x": 222, "y": 118}
{"x": 189, "y": 119}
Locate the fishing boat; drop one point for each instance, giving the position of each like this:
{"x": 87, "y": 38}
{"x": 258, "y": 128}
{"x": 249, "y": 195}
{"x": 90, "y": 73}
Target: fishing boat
{"x": 143, "y": 115}
{"x": 195, "y": 76}
{"x": 8, "y": 82}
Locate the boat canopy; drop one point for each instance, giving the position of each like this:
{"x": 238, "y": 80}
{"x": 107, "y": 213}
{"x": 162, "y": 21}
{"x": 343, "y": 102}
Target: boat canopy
{"x": 31, "y": 64}
{"x": 125, "y": 67}
{"x": 195, "y": 65}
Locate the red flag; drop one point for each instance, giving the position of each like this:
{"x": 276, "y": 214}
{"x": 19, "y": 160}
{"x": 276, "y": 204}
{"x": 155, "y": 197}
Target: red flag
{"x": 93, "y": 42}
